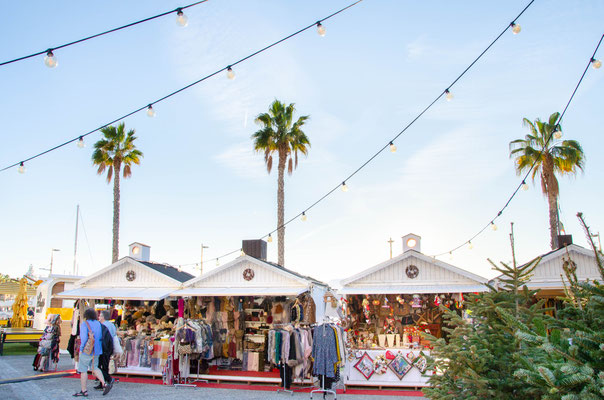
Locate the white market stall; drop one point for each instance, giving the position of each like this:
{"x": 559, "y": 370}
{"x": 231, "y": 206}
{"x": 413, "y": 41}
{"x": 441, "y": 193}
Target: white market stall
{"x": 262, "y": 294}
{"x": 390, "y": 305}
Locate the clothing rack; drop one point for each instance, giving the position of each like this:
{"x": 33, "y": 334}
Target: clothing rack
{"x": 283, "y": 389}
{"x": 323, "y": 390}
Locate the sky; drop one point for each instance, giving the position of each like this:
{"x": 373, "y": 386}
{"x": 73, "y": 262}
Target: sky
{"x": 379, "y": 64}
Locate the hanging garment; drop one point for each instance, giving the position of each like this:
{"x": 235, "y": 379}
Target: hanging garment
{"x": 324, "y": 351}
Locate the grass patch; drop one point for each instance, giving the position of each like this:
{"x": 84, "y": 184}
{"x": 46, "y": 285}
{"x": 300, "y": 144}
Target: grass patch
{"x": 19, "y": 349}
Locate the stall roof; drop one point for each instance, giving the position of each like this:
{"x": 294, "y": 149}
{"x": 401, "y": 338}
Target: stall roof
{"x": 397, "y": 275}
{"x": 239, "y": 291}
{"x": 169, "y": 271}
{"x": 122, "y": 293}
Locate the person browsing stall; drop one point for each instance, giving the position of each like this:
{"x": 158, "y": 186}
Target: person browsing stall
{"x": 90, "y": 350}
{"x": 104, "y": 318}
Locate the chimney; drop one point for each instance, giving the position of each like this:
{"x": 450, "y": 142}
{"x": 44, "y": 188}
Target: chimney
{"x": 255, "y": 248}
{"x": 139, "y": 251}
{"x": 564, "y": 240}
{"x": 412, "y": 242}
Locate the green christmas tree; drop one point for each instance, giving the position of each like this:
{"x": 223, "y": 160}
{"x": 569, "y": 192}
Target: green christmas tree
{"x": 563, "y": 356}
{"x": 479, "y": 358}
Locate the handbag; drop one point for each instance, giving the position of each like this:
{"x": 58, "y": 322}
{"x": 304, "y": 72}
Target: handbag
{"x": 117, "y": 347}
{"x": 89, "y": 347}
{"x": 185, "y": 349}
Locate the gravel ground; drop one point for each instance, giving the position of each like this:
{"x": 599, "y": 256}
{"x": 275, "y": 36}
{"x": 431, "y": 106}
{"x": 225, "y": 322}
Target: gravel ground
{"x": 63, "y": 388}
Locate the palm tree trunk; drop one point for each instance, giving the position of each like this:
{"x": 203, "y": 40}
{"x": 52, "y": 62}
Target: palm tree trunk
{"x": 281, "y": 209}
{"x": 552, "y": 200}
{"x": 116, "y": 211}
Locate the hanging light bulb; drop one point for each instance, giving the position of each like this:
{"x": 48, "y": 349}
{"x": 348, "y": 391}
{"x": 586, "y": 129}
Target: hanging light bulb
{"x": 344, "y": 187}
{"x": 448, "y": 95}
{"x": 558, "y": 133}
{"x": 470, "y": 245}
{"x": 493, "y": 226}
{"x": 181, "y": 18}
{"x": 217, "y": 262}
{"x": 525, "y": 186}
{"x": 596, "y": 64}
{"x": 50, "y": 60}
{"x": 450, "y": 255}
{"x": 150, "y": 111}
{"x": 242, "y": 253}
{"x": 392, "y": 148}
{"x": 515, "y": 28}
{"x": 230, "y": 73}
{"x": 21, "y": 168}
{"x": 81, "y": 143}
{"x": 270, "y": 238}
{"x": 320, "y": 29}
{"x": 303, "y": 217}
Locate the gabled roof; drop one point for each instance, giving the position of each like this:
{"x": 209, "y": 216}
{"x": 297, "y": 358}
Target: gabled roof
{"x": 305, "y": 280}
{"x": 421, "y": 256}
{"x": 169, "y": 271}
{"x": 166, "y": 271}
{"x": 561, "y": 251}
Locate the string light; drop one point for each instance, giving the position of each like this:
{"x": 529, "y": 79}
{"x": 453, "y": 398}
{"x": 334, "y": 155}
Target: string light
{"x": 270, "y": 238}
{"x": 181, "y": 18}
{"x": 320, "y": 29}
{"x": 21, "y": 168}
{"x": 217, "y": 262}
{"x": 558, "y": 133}
{"x": 50, "y": 60}
{"x": 448, "y": 95}
{"x": 230, "y": 73}
{"x": 344, "y": 187}
{"x": 596, "y": 64}
{"x": 303, "y": 217}
{"x": 150, "y": 111}
{"x": 81, "y": 143}
{"x": 525, "y": 186}
{"x": 515, "y": 28}
{"x": 470, "y": 245}
{"x": 106, "y": 32}
{"x": 242, "y": 253}
{"x": 450, "y": 255}
{"x": 493, "y": 226}
{"x": 392, "y": 148}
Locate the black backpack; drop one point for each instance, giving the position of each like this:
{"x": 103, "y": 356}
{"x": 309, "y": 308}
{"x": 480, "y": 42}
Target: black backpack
{"x": 106, "y": 340}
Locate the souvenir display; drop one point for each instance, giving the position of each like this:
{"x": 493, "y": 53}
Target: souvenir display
{"x": 365, "y": 366}
{"x": 399, "y": 365}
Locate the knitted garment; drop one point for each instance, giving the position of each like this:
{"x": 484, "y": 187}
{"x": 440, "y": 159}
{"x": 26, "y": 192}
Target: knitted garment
{"x": 324, "y": 351}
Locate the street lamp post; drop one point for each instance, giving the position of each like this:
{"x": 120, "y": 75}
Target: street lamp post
{"x": 201, "y": 263}
{"x": 52, "y": 252}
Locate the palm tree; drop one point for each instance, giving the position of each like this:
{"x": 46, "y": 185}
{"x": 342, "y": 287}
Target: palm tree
{"x": 280, "y": 135}
{"x": 115, "y": 150}
{"x": 558, "y": 157}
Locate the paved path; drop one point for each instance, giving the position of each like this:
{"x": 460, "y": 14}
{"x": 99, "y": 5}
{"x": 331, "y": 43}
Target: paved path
{"x": 63, "y": 388}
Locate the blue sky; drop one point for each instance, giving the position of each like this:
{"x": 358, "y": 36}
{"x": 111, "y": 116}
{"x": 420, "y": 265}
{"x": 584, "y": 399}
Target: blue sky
{"x": 378, "y": 66}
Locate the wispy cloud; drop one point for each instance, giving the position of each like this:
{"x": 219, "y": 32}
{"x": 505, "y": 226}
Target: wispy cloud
{"x": 243, "y": 161}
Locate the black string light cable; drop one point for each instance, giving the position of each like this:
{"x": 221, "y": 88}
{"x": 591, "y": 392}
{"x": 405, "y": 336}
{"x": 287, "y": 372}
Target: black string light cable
{"x": 181, "y": 20}
{"x": 149, "y": 107}
{"x": 595, "y": 64}
{"x": 515, "y": 27}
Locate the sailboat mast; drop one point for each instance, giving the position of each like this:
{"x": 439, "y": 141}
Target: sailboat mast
{"x": 75, "y": 246}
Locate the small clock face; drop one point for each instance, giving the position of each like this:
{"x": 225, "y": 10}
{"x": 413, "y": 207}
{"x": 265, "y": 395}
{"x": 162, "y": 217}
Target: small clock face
{"x": 248, "y": 274}
{"x": 130, "y": 275}
{"x": 412, "y": 271}
{"x": 411, "y": 243}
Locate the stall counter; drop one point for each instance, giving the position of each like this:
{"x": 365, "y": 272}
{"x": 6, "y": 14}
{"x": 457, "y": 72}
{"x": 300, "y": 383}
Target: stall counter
{"x": 413, "y": 378}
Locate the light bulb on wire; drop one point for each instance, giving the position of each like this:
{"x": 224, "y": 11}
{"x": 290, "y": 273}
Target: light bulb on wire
{"x": 344, "y": 187}
{"x": 217, "y": 262}
{"x": 320, "y": 29}
{"x": 230, "y": 73}
{"x": 81, "y": 143}
{"x": 21, "y": 168}
{"x": 448, "y": 95}
{"x": 493, "y": 226}
{"x": 270, "y": 238}
{"x": 525, "y": 186}
{"x": 50, "y": 60}
{"x": 181, "y": 18}
{"x": 303, "y": 217}
{"x": 150, "y": 111}
{"x": 596, "y": 64}
{"x": 450, "y": 255}
{"x": 392, "y": 148}
{"x": 515, "y": 28}
{"x": 470, "y": 245}
{"x": 558, "y": 134}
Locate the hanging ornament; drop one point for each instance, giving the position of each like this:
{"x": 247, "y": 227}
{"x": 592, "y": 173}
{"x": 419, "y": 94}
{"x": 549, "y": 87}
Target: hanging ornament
{"x": 400, "y": 299}
{"x": 437, "y": 301}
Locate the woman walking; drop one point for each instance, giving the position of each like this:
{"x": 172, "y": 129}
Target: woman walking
{"x": 90, "y": 350}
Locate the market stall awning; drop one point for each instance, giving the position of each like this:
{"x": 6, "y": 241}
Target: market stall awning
{"x": 412, "y": 289}
{"x": 117, "y": 293}
{"x": 240, "y": 291}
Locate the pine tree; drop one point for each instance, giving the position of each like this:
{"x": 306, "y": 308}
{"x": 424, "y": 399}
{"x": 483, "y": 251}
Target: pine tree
{"x": 479, "y": 359}
{"x": 564, "y": 355}
{"x": 20, "y": 306}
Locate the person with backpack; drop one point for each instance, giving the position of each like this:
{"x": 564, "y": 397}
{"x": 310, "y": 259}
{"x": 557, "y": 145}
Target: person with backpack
{"x": 108, "y": 334}
{"x": 91, "y": 337}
